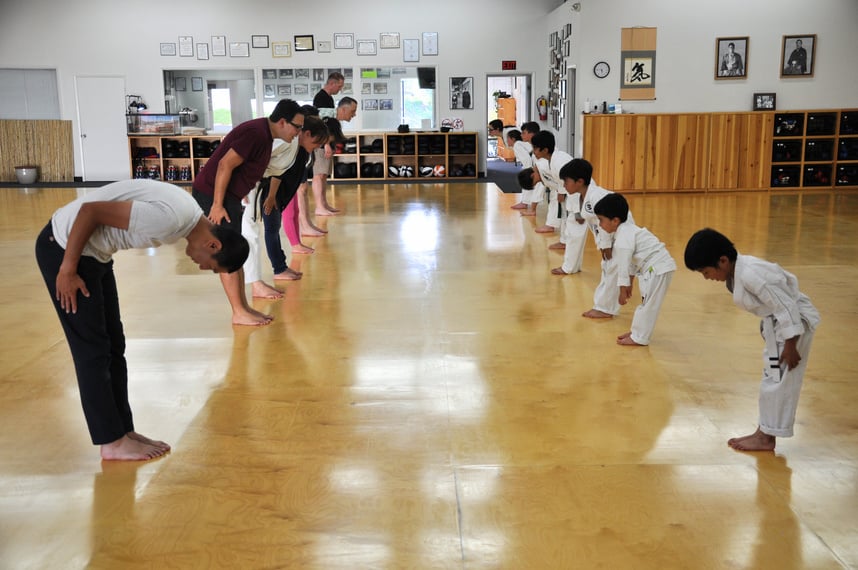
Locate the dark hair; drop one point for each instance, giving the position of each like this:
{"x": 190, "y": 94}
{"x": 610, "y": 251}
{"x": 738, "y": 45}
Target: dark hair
{"x": 731, "y": 44}
{"x": 530, "y": 127}
{"x": 705, "y": 249}
{"x": 496, "y": 125}
{"x": 234, "y": 248}
{"x": 335, "y": 129}
{"x": 336, "y": 76}
{"x": 612, "y": 206}
{"x": 525, "y": 178}
{"x": 285, "y": 109}
{"x": 543, "y": 139}
{"x": 309, "y": 111}
{"x": 575, "y": 169}
{"x": 514, "y": 134}
{"x": 346, "y": 101}
{"x": 316, "y": 128}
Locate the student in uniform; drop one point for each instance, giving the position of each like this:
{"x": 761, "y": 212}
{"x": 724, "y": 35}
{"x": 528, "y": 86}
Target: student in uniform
{"x": 549, "y": 162}
{"x": 789, "y": 320}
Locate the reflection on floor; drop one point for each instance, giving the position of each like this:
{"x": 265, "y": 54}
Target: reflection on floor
{"x": 428, "y": 396}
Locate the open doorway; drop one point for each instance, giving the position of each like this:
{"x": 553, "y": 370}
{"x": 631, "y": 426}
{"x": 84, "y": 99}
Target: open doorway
{"x": 508, "y": 99}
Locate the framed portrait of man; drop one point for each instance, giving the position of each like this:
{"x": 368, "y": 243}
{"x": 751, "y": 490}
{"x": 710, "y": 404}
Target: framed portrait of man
{"x": 797, "y": 55}
{"x": 731, "y": 58}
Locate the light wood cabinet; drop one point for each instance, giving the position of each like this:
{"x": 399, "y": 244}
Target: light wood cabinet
{"x": 172, "y": 158}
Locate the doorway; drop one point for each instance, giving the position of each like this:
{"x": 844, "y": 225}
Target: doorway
{"x": 508, "y": 99}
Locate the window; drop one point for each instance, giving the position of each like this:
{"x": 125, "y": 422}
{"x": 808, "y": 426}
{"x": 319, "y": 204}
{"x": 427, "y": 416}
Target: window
{"x": 417, "y": 104}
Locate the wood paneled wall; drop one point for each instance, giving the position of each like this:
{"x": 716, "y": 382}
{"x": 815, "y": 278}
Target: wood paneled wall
{"x": 680, "y": 152}
{"x": 46, "y": 144}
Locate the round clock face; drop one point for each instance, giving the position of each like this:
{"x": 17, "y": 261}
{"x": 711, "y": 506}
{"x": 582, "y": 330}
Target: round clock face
{"x": 601, "y": 69}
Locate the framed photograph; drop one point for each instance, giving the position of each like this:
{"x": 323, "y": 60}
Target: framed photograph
{"x": 270, "y": 91}
{"x": 385, "y": 104}
{"x": 181, "y": 84}
{"x": 344, "y": 41}
{"x": 430, "y": 43}
{"x": 196, "y": 83}
{"x": 284, "y": 90}
{"x": 366, "y": 88}
{"x": 259, "y": 41}
{"x": 218, "y": 45}
{"x": 347, "y": 88}
{"x": 186, "y": 46}
{"x": 239, "y": 49}
{"x": 797, "y": 55}
{"x": 388, "y": 40}
{"x": 281, "y": 49}
{"x": 731, "y": 58}
{"x": 202, "y": 51}
{"x": 410, "y": 50}
{"x": 370, "y": 104}
{"x": 366, "y": 47}
{"x": 269, "y": 74}
{"x": 301, "y": 89}
{"x": 461, "y": 92}
{"x": 323, "y": 47}
{"x": 302, "y": 73}
{"x": 319, "y": 74}
{"x": 379, "y": 88}
{"x": 286, "y": 74}
{"x": 304, "y": 43}
{"x": 168, "y": 49}
{"x": 764, "y": 101}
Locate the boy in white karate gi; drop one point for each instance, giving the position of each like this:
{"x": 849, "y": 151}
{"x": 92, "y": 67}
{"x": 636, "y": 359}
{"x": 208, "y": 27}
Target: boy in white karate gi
{"x": 789, "y": 320}
{"x": 636, "y": 252}
{"x": 549, "y": 162}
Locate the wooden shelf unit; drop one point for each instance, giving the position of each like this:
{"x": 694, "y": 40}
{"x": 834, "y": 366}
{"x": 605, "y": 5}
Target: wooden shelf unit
{"x": 162, "y": 151}
{"x": 377, "y": 155}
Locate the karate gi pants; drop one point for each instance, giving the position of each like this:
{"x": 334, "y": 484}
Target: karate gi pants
{"x": 653, "y": 288}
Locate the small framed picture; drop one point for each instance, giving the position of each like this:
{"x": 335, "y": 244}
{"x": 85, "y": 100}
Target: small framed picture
{"x": 186, "y": 46}
{"x": 385, "y": 104}
{"x": 259, "y": 41}
{"x": 379, "y": 88}
{"x": 218, "y": 45}
{"x": 168, "y": 49}
{"x": 366, "y": 47}
{"x": 797, "y": 55}
{"x": 731, "y": 58}
{"x": 344, "y": 41}
{"x": 370, "y": 104}
{"x": 286, "y": 74}
{"x": 281, "y": 49}
{"x": 202, "y": 51}
{"x": 181, "y": 84}
{"x": 196, "y": 83}
{"x": 269, "y": 74}
{"x": 411, "y": 50}
{"x": 430, "y": 43}
{"x": 461, "y": 92}
{"x": 388, "y": 40}
{"x": 304, "y": 43}
{"x": 764, "y": 101}
{"x": 323, "y": 47}
{"x": 239, "y": 49}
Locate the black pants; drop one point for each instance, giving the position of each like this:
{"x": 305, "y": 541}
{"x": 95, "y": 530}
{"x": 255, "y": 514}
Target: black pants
{"x": 96, "y": 341}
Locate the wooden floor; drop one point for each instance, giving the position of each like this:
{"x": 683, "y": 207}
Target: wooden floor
{"x": 429, "y": 397}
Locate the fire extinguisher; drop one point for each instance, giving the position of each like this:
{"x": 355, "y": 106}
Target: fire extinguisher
{"x": 542, "y": 108}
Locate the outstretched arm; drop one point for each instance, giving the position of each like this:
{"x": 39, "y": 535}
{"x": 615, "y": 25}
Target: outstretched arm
{"x": 89, "y": 217}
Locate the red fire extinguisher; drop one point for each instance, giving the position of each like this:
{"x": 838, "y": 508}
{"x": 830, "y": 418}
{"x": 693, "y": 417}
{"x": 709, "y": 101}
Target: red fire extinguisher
{"x": 542, "y": 108}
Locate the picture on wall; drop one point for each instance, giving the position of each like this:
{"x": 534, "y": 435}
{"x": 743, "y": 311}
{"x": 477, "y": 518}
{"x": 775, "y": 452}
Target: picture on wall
{"x": 731, "y": 58}
{"x": 461, "y": 92}
{"x": 370, "y": 104}
{"x": 797, "y": 55}
{"x": 764, "y": 101}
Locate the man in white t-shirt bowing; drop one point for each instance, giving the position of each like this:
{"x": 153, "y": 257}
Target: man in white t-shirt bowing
{"x": 75, "y": 255}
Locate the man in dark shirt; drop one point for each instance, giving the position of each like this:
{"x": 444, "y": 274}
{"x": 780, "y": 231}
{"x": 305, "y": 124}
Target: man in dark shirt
{"x": 324, "y": 102}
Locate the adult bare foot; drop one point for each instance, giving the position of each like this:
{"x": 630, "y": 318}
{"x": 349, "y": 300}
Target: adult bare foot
{"x": 544, "y": 230}
{"x": 250, "y": 318}
{"x": 757, "y": 441}
{"x": 519, "y": 206}
{"x": 301, "y": 248}
{"x": 153, "y": 442}
{"x": 558, "y": 271}
{"x": 557, "y": 245}
{"x": 324, "y": 212}
{"x": 626, "y": 340}
{"x": 262, "y": 290}
{"x": 128, "y": 449}
{"x": 330, "y": 208}
{"x": 288, "y": 275}
{"x": 595, "y": 314}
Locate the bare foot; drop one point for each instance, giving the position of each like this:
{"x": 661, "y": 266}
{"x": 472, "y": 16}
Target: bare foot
{"x": 558, "y": 271}
{"x": 544, "y": 230}
{"x": 757, "y": 441}
{"x": 153, "y": 442}
{"x": 330, "y": 208}
{"x": 325, "y": 213}
{"x": 626, "y": 340}
{"x": 262, "y": 290}
{"x": 557, "y": 245}
{"x": 519, "y": 206}
{"x": 528, "y": 213}
{"x": 128, "y": 449}
{"x": 594, "y": 314}
{"x": 624, "y": 335}
{"x": 313, "y": 233}
{"x": 288, "y": 275}
{"x": 301, "y": 248}
{"x": 251, "y": 318}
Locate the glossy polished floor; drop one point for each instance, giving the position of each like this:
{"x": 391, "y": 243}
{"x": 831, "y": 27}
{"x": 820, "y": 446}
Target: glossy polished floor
{"x": 429, "y": 397}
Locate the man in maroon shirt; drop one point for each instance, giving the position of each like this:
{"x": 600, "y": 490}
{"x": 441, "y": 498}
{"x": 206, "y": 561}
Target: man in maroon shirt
{"x": 230, "y": 174}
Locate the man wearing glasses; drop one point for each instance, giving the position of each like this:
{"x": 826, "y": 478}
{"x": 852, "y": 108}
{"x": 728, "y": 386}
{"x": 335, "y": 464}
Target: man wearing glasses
{"x": 233, "y": 170}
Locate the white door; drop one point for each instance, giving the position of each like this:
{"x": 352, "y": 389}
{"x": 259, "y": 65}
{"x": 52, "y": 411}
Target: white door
{"x": 103, "y": 141}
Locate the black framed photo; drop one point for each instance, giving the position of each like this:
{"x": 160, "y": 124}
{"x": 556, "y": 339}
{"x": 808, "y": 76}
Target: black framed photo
{"x": 196, "y": 83}
{"x": 764, "y": 101}
{"x": 461, "y": 92}
{"x": 181, "y": 84}
{"x": 797, "y": 55}
{"x": 731, "y": 58}
{"x": 304, "y": 43}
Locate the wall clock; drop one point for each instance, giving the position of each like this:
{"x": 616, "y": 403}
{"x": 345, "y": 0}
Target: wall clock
{"x": 601, "y": 69}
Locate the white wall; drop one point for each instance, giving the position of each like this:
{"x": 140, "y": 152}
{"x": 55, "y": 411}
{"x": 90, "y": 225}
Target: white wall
{"x": 106, "y": 37}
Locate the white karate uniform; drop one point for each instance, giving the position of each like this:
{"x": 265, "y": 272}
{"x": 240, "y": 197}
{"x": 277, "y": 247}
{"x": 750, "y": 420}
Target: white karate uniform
{"x": 550, "y": 173}
{"x": 606, "y": 296}
{"x": 524, "y": 156}
{"x": 282, "y": 157}
{"x": 638, "y": 252}
{"x": 768, "y": 291}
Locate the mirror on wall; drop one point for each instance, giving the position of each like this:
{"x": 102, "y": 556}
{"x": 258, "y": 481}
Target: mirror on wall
{"x": 210, "y": 99}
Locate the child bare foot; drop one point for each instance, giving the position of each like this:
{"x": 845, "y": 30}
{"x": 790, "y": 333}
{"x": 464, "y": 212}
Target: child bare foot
{"x": 559, "y": 271}
{"x": 153, "y": 442}
{"x": 128, "y": 449}
{"x": 544, "y": 230}
{"x": 519, "y": 206}
{"x": 626, "y": 340}
{"x": 288, "y": 275}
{"x": 250, "y": 317}
{"x": 596, "y": 314}
{"x": 301, "y": 248}
{"x": 557, "y": 245}
{"x": 527, "y": 213}
{"x": 324, "y": 212}
{"x": 262, "y": 290}
{"x": 757, "y": 441}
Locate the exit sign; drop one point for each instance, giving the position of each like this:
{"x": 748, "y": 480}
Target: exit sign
{"x": 508, "y": 65}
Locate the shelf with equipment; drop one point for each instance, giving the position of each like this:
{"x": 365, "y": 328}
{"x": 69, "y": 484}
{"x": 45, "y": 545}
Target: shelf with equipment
{"x": 172, "y": 158}
{"x": 846, "y": 173}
